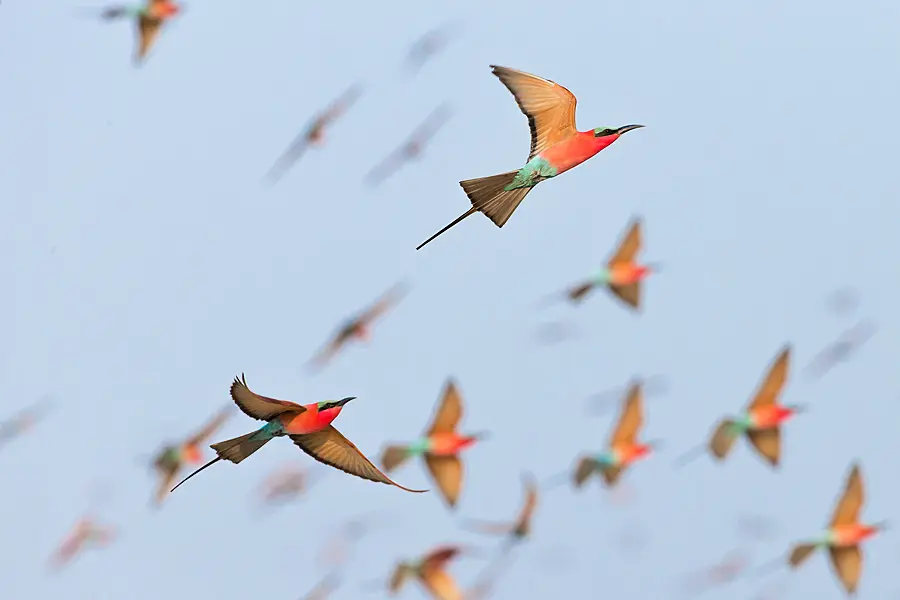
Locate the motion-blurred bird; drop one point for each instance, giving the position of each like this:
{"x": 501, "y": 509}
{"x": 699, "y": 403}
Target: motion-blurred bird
{"x": 762, "y": 419}
{"x": 412, "y": 148}
{"x": 324, "y": 589}
{"x": 430, "y": 571}
{"x": 284, "y": 485}
{"x": 314, "y": 133}
{"x": 428, "y": 46}
{"x": 844, "y": 535}
{"x": 622, "y": 275}
{"x": 308, "y": 426}
{"x": 86, "y": 533}
{"x": 841, "y": 349}
{"x": 725, "y": 571}
{"x": 440, "y": 446}
{"x": 150, "y": 19}
{"x": 18, "y": 424}
{"x": 358, "y": 327}
{"x": 556, "y": 147}
{"x": 623, "y": 447}
{"x": 519, "y": 529}
{"x": 170, "y": 460}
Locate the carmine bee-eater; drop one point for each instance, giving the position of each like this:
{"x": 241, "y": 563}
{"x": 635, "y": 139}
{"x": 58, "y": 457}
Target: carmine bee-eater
{"x": 86, "y": 533}
{"x": 622, "y": 275}
{"x": 357, "y": 328}
{"x": 150, "y": 19}
{"x": 440, "y": 446}
{"x": 556, "y": 147}
{"x": 622, "y": 449}
{"x": 844, "y": 535}
{"x": 308, "y": 426}
{"x": 519, "y": 529}
{"x": 170, "y": 460}
{"x": 412, "y": 148}
{"x": 22, "y": 422}
{"x": 762, "y": 420}
{"x": 314, "y": 133}
{"x": 430, "y": 571}
{"x": 841, "y": 349}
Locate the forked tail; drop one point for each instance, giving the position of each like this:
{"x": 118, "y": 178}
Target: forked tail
{"x": 394, "y": 456}
{"x": 800, "y": 553}
{"x": 234, "y": 450}
{"x": 489, "y": 196}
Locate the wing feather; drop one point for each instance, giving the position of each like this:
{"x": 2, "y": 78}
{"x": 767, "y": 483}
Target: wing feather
{"x": 774, "y": 381}
{"x": 449, "y": 412}
{"x": 259, "y": 407}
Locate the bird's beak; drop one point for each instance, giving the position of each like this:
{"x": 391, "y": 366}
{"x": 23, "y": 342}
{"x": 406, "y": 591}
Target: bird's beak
{"x": 346, "y": 400}
{"x": 481, "y": 435}
{"x": 626, "y": 128}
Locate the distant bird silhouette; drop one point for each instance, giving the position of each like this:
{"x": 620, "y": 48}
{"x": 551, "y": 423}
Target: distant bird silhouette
{"x": 440, "y": 446}
{"x": 324, "y": 589}
{"x": 314, "y": 133}
{"x": 556, "y": 147}
{"x": 308, "y": 426}
{"x": 284, "y": 485}
{"x": 428, "y": 46}
{"x": 358, "y": 327}
{"x": 22, "y": 422}
{"x": 150, "y": 19}
{"x": 412, "y": 148}
{"x": 518, "y": 530}
{"x": 841, "y": 349}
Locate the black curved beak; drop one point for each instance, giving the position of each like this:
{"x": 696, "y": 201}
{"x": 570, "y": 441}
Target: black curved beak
{"x": 346, "y": 400}
{"x": 627, "y": 128}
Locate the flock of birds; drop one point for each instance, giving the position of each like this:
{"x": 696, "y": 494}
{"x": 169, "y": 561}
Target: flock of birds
{"x": 556, "y": 146}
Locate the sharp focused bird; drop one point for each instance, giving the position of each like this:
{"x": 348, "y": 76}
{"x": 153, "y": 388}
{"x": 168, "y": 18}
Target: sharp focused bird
{"x": 556, "y": 147}
{"x": 308, "y": 426}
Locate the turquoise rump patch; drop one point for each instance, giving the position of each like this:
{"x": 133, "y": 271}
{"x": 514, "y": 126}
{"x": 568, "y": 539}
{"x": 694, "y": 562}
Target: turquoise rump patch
{"x": 535, "y": 170}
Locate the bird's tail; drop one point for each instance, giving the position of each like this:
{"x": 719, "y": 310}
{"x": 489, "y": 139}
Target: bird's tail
{"x": 800, "y": 553}
{"x": 394, "y": 456}
{"x": 722, "y": 440}
{"x": 239, "y": 448}
{"x": 489, "y": 196}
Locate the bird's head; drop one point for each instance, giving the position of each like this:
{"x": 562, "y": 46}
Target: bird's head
{"x": 607, "y": 135}
{"x": 332, "y": 408}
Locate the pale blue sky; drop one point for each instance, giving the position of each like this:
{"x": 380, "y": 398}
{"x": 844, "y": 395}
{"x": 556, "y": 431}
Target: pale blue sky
{"x": 766, "y": 174}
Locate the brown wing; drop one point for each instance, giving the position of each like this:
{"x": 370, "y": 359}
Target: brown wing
{"x": 210, "y": 428}
{"x": 450, "y": 411}
{"x": 437, "y": 558}
{"x": 611, "y": 475}
{"x": 768, "y": 443}
{"x": 385, "y": 303}
{"x": 847, "y": 510}
{"x": 584, "y": 469}
{"x": 629, "y": 246}
{"x": 578, "y": 292}
{"x": 631, "y": 419}
{"x": 334, "y": 345}
{"x": 531, "y": 500}
{"x": 771, "y": 386}
{"x": 329, "y": 447}
{"x": 148, "y": 31}
{"x": 447, "y": 472}
{"x": 847, "y": 563}
{"x": 629, "y": 294}
{"x": 441, "y": 585}
{"x": 550, "y": 107}
{"x": 399, "y": 576}
{"x": 259, "y": 407}
{"x": 166, "y": 478}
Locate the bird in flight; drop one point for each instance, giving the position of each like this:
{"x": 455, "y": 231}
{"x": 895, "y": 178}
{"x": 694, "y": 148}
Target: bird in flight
{"x": 440, "y": 446}
{"x": 622, "y": 275}
{"x": 519, "y": 529}
{"x": 150, "y": 19}
{"x": 412, "y": 148}
{"x": 556, "y": 147}
{"x": 358, "y": 327}
{"x": 844, "y": 535}
{"x": 431, "y": 572}
{"x": 170, "y": 460}
{"x": 22, "y": 422}
{"x": 841, "y": 349}
{"x": 428, "y": 46}
{"x": 309, "y": 427}
{"x": 314, "y": 133}
{"x": 86, "y": 533}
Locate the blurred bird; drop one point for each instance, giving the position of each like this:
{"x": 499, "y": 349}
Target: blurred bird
{"x": 308, "y": 426}
{"x": 841, "y": 349}
{"x": 762, "y": 420}
{"x": 358, "y": 328}
{"x": 729, "y": 568}
{"x": 170, "y": 460}
{"x": 412, "y": 148}
{"x": 440, "y": 446}
{"x": 519, "y": 529}
{"x": 556, "y": 147}
{"x": 150, "y": 19}
{"x": 338, "y": 548}
{"x": 623, "y": 448}
{"x": 428, "y": 46}
{"x": 430, "y": 571}
{"x": 844, "y": 535}
{"x": 843, "y": 301}
{"x": 314, "y": 134}
{"x": 85, "y": 534}
{"x": 622, "y": 275}
{"x": 27, "y": 418}
{"x": 284, "y": 485}
{"x": 323, "y": 590}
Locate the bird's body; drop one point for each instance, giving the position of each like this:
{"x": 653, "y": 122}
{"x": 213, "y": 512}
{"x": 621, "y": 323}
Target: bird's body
{"x": 412, "y": 148}
{"x": 150, "y": 18}
{"x": 308, "y": 426}
{"x": 844, "y": 535}
{"x": 86, "y": 533}
{"x": 556, "y": 147}
{"x": 430, "y": 571}
{"x": 440, "y": 446}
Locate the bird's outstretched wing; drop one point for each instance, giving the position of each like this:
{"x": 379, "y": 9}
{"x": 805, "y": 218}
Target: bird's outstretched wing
{"x": 259, "y": 407}
{"x": 550, "y": 107}
{"x": 447, "y": 472}
{"x": 441, "y": 585}
{"x": 333, "y": 346}
{"x": 531, "y": 499}
{"x": 771, "y": 386}
{"x": 166, "y": 478}
{"x": 585, "y": 467}
{"x": 847, "y": 510}
{"x": 578, "y": 292}
{"x": 329, "y": 447}
{"x": 148, "y": 32}
{"x": 211, "y": 427}
{"x": 390, "y": 299}
{"x": 630, "y": 245}
{"x": 449, "y": 412}
{"x": 413, "y": 145}
{"x": 631, "y": 419}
